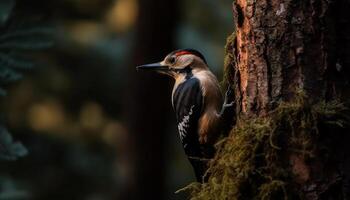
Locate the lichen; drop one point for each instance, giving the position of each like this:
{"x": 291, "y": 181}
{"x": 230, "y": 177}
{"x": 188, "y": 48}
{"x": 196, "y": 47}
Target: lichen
{"x": 253, "y": 161}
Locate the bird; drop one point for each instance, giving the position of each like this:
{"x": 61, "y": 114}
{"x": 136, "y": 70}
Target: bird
{"x": 200, "y": 108}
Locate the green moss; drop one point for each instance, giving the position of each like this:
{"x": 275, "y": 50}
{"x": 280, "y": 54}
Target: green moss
{"x": 229, "y": 60}
{"x": 267, "y": 190}
{"x": 252, "y": 163}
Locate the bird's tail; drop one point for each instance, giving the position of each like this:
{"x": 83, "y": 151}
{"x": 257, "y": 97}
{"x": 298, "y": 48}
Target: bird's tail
{"x": 201, "y": 164}
{"x": 200, "y": 167}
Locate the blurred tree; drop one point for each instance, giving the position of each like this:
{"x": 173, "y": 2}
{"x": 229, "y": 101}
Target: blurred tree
{"x": 148, "y": 99}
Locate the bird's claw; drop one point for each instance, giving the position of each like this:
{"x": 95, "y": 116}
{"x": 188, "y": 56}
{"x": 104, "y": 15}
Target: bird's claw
{"x": 228, "y": 98}
{"x": 226, "y": 105}
{"x": 228, "y": 95}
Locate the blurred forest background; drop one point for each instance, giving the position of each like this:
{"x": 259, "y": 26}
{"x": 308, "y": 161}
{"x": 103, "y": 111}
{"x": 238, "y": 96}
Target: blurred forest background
{"x": 94, "y": 128}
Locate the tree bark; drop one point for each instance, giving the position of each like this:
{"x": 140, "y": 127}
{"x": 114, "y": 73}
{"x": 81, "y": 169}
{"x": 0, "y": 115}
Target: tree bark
{"x": 282, "y": 47}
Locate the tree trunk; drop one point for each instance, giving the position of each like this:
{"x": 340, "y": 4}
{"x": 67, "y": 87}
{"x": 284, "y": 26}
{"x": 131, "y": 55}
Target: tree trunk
{"x": 289, "y": 65}
{"x": 289, "y": 45}
{"x": 147, "y": 94}
{"x": 282, "y": 47}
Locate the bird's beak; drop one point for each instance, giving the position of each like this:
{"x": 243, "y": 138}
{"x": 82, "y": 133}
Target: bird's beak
{"x": 153, "y": 67}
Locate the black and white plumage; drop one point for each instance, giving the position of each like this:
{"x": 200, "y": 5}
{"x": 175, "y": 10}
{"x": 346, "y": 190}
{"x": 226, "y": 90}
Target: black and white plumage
{"x": 198, "y": 104}
{"x": 188, "y": 106}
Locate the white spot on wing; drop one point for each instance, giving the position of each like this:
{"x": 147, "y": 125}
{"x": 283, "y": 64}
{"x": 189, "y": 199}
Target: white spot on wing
{"x": 184, "y": 124}
{"x": 280, "y": 10}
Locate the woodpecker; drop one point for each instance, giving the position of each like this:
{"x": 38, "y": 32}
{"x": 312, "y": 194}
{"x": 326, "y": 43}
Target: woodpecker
{"x": 198, "y": 104}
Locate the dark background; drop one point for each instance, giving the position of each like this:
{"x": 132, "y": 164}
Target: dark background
{"x": 95, "y": 128}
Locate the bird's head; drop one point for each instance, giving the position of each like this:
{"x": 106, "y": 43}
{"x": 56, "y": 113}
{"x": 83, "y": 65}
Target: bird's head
{"x": 178, "y": 62}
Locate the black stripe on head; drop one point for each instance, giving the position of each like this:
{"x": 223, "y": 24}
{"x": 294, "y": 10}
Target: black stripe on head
{"x": 191, "y": 51}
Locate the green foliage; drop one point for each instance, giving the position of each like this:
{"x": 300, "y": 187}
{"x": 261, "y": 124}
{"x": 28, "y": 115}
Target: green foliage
{"x": 229, "y": 61}
{"x": 9, "y": 149}
{"x": 16, "y": 40}
{"x": 252, "y": 163}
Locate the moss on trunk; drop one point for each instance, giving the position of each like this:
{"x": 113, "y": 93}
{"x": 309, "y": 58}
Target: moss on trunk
{"x": 254, "y": 162}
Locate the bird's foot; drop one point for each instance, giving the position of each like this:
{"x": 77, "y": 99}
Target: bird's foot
{"x": 228, "y": 102}
{"x": 229, "y": 96}
{"x": 226, "y": 105}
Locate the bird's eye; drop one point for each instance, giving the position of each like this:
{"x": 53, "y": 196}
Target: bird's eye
{"x": 172, "y": 60}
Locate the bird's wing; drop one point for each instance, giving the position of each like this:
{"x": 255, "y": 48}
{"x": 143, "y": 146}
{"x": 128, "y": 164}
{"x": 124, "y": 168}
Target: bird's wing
{"x": 188, "y": 103}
